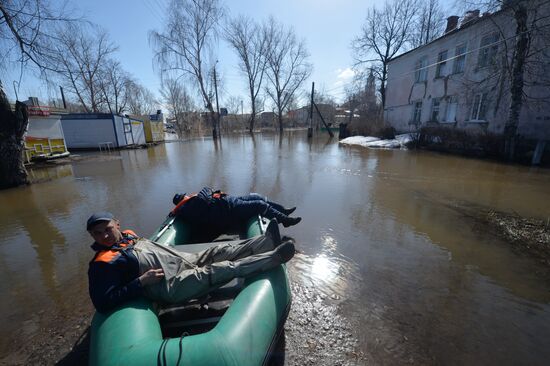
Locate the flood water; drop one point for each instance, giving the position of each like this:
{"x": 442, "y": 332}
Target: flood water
{"x": 390, "y": 257}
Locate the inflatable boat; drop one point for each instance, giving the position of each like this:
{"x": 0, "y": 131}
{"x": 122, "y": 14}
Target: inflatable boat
{"x": 238, "y": 324}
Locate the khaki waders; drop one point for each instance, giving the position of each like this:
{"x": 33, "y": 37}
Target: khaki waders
{"x": 191, "y": 275}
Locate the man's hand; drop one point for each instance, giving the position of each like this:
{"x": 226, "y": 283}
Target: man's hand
{"x": 151, "y": 277}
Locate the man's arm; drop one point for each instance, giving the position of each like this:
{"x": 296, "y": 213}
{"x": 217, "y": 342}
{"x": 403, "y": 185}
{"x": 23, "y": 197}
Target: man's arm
{"x": 107, "y": 289}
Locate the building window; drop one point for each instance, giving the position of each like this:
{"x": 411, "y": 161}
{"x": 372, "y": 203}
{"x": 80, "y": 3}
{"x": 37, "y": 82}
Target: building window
{"x": 488, "y": 49}
{"x": 460, "y": 59}
{"x": 450, "y": 111}
{"x": 479, "y": 107}
{"x": 441, "y": 69}
{"x": 436, "y": 102}
{"x": 417, "y": 112}
{"x": 421, "y": 70}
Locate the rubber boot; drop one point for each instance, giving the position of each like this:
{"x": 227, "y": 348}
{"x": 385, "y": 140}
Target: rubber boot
{"x": 255, "y": 264}
{"x": 291, "y": 221}
{"x": 281, "y": 208}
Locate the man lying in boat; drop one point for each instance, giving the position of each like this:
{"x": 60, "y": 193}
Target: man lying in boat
{"x": 127, "y": 266}
{"x": 221, "y": 212}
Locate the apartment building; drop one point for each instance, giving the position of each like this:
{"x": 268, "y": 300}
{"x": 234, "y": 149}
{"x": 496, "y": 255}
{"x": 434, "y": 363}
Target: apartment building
{"x": 462, "y": 79}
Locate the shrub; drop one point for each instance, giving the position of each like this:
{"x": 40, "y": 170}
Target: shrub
{"x": 481, "y": 144}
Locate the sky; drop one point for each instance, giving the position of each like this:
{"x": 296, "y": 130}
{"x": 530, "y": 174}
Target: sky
{"x": 327, "y": 26}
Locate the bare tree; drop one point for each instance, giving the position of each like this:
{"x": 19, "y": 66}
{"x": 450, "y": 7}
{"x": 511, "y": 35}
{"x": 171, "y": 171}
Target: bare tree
{"x": 522, "y": 75}
{"x": 140, "y": 99}
{"x": 82, "y": 55}
{"x": 384, "y": 35}
{"x": 287, "y": 66}
{"x": 114, "y": 83}
{"x": 186, "y": 41}
{"x": 179, "y": 104}
{"x": 247, "y": 39}
{"x": 429, "y": 23}
{"x": 26, "y": 30}
{"x": 529, "y": 68}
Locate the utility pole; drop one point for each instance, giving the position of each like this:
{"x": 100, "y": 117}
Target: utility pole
{"x": 217, "y": 104}
{"x": 322, "y": 119}
{"x": 63, "y": 97}
{"x": 310, "y": 128}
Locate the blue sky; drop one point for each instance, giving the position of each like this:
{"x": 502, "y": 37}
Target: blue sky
{"x": 326, "y": 26}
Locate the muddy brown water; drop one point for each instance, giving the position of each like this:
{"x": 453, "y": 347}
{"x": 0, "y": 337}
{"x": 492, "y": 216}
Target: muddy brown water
{"x": 391, "y": 270}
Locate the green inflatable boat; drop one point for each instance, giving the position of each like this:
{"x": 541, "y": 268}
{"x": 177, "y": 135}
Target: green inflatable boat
{"x": 238, "y": 324}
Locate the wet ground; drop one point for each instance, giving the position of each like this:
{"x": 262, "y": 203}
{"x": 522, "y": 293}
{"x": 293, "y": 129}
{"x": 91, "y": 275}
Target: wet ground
{"x": 393, "y": 269}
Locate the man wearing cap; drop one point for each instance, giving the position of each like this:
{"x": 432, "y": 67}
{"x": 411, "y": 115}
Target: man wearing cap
{"x": 126, "y": 266}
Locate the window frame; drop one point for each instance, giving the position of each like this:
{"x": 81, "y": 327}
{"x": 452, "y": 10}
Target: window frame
{"x": 417, "y": 107}
{"x": 488, "y": 52}
{"x": 460, "y": 58}
{"x": 479, "y": 109}
{"x": 435, "y": 108}
{"x": 421, "y": 70}
{"x": 440, "y": 70}
{"x": 451, "y": 100}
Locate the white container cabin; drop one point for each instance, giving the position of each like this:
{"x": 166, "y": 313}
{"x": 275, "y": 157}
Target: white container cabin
{"x": 101, "y": 131}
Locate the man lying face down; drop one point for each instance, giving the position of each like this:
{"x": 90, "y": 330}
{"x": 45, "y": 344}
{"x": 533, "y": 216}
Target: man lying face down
{"x": 126, "y": 266}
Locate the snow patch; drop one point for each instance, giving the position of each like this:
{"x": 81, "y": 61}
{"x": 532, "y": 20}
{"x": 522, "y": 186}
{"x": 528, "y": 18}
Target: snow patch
{"x": 374, "y": 142}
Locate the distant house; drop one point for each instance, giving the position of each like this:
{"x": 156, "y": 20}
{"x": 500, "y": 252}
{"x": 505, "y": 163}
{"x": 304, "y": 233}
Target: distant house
{"x": 458, "y": 80}
{"x": 300, "y": 117}
{"x": 267, "y": 119}
{"x": 101, "y": 130}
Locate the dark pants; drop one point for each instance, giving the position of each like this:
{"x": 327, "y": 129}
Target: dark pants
{"x": 245, "y": 207}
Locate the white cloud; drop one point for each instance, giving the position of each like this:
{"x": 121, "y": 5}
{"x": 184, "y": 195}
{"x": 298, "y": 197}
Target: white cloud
{"x": 345, "y": 74}
{"x": 343, "y": 78}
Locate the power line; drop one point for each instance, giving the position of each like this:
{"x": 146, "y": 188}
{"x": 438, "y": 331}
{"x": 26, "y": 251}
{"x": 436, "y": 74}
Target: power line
{"x": 156, "y": 13}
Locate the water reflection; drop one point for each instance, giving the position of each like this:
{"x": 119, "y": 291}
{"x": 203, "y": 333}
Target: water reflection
{"x": 56, "y": 172}
{"x": 331, "y": 273}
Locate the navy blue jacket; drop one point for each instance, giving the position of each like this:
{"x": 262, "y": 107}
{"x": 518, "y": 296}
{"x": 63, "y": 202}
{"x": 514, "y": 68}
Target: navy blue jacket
{"x": 113, "y": 274}
{"x": 207, "y": 212}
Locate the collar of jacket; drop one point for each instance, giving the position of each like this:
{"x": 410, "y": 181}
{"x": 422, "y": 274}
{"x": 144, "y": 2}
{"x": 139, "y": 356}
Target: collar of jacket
{"x": 98, "y": 247}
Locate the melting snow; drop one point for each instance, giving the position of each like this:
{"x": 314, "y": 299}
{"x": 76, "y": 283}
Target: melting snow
{"x": 375, "y": 142}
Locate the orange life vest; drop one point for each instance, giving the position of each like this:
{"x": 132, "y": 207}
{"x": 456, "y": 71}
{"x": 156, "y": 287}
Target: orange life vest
{"x": 110, "y": 254}
{"x": 182, "y": 202}
{"x": 187, "y": 198}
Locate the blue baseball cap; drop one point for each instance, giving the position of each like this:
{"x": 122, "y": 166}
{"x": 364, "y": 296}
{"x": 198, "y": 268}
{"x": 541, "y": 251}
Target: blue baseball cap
{"x": 97, "y": 218}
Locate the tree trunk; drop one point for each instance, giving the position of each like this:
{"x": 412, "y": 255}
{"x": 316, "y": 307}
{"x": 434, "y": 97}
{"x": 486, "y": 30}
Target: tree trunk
{"x": 253, "y": 114}
{"x": 252, "y": 117}
{"x": 12, "y": 130}
{"x": 383, "y": 85}
{"x": 516, "y": 87}
{"x": 280, "y": 118}
{"x": 213, "y": 124}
